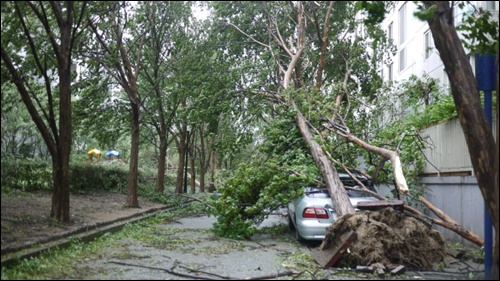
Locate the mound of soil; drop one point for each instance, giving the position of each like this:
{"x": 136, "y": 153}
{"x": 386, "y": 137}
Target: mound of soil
{"x": 389, "y": 237}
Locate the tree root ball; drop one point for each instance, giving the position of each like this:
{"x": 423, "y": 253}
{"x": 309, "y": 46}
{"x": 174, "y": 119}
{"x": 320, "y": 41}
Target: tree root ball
{"x": 389, "y": 237}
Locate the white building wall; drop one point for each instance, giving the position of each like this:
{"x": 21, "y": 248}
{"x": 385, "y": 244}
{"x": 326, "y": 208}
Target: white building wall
{"x": 456, "y": 195}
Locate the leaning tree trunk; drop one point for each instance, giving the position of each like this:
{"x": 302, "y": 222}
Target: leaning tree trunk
{"x": 477, "y": 131}
{"x": 341, "y": 199}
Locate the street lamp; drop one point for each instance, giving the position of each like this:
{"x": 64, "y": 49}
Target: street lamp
{"x": 188, "y": 128}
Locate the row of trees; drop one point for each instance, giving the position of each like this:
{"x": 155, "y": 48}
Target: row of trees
{"x": 164, "y": 77}
{"x": 112, "y": 67}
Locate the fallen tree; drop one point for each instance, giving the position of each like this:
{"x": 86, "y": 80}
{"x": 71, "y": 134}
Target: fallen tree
{"x": 292, "y": 71}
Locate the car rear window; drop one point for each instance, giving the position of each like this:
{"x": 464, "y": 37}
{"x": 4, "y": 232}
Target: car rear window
{"x": 322, "y": 192}
{"x": 317, "y": 192}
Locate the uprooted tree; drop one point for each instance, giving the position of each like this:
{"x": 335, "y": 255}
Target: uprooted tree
{"x": 321, "y": 82}
{"x": 309, "y": 31}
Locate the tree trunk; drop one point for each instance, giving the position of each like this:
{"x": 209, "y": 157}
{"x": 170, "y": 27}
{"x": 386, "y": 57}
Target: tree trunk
{"x": 181, "y": 148}
{"x": 451, "y": 224}
{"x": 202, "y": 160}
{"x": 60, "y": 192}
{"x": 59, "y": 137}
{"x": 63, "y": 145}
{"x": 132, "y": 201}
{"x": 192, "y": 174}
{"x": 213, "y": 163}
{"x": 338, "y": 193}
{"x": 477, "y": 131}
{"x": 160, "y": 180}
{"x": 192, "y": 156}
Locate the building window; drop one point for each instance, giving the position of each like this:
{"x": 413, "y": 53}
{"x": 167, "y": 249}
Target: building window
{"x": 402, "y": 59}
{"x": 389, "y": 72}
{"x": 389, "y": 31}
{"x": 428, "y": 44}
{"x": 402, "y": 24}
{"x": 490, "y": 5}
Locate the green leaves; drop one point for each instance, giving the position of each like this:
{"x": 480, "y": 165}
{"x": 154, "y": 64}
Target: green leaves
{"x": 250, "y": 195}
{"x": 424, "y": 14}
{"x": 376, "y": 11}
{"x": 480, "y": 31}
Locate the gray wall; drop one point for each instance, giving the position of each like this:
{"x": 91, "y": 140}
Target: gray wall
{"x": 459, "y": 198}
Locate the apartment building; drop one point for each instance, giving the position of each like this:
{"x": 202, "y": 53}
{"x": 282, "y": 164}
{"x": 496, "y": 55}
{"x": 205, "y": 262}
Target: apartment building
{"x": 449, "y": 178}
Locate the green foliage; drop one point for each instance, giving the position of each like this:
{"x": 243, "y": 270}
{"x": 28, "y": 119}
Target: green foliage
{"x": 250, "y": 195}
{"x": 86, "y": 177}
{"x": 480, "y": 31}
{"x": 424, "y": 14}
{"x": 26, "y": 175}
{"x": 33, "y": 175}
{"x": 376, "y": 11}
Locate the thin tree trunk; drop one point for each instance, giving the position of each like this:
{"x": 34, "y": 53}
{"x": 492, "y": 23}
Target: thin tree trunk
{"x": 192, "y": 157}
{"x": 339, "y": 195}
{"x": 132, "y": 201}
{"x": 202, "y": 160}
{"x": 181, "y": 148}
{"x": 160, "y": 180}
{"x": 451, "y": 224}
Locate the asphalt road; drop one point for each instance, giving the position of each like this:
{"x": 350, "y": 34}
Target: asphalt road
{"x": 185, "y": 249}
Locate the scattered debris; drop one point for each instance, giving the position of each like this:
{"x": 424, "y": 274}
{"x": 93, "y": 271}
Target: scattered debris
{"x": 329, "y": 258}
{"x": 400, "y": 269}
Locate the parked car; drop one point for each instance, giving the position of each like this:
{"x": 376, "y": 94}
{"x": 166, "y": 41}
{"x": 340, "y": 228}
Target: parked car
{"x": 312, "y": 212}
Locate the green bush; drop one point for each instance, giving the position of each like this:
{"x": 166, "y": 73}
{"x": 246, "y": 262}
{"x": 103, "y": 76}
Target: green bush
{"x": 86, "y": 177}
{"x": 26, "y": 175}
{"x": 33, "y": 174}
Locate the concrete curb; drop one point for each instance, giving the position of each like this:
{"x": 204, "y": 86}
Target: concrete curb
{"x": 86, "y": 234}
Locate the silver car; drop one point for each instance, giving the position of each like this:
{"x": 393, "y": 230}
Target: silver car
{"x": 311, "y": 213}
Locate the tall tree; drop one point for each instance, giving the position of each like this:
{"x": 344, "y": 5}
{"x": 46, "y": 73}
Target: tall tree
{"x": 477, "y": 131}
{"x": 318, "y": 75}
{"x": 38, "y": 40}
{"x": 167, "y": 22}
{"x": 118, "y": 47}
